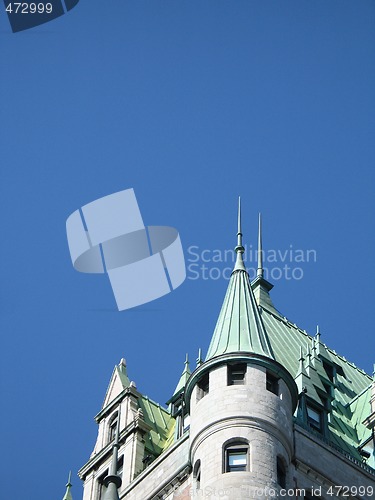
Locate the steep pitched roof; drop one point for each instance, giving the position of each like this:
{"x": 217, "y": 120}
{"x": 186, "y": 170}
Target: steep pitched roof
{"x": 118, "y": 382}
{"x": 351, "y": 390}
{"x": 239, "y": 327}
{"x": 161, "y": 423}
{"x": 184, "y": 378}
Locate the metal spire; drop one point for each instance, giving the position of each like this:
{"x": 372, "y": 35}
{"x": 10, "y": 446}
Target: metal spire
{"x": 239, "y": 327}
{"x": 260, "y": 250}
{"x": 68, "y": 495}
{"x": 239, "y": 266}
{"x": 199, "y": 358}
{"x": 113, "y": 481}
{"x": 317, "y": 343}
{"x": 301, "y": 360}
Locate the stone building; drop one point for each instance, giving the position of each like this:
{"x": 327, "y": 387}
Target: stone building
{"x": 271, "y": 411}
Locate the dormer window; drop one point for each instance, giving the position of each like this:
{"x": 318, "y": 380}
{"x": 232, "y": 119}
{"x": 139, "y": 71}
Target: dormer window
{"x": 330, "y": 371}
{"x": 315, "y": 418}
{"x": 112, "y": 428}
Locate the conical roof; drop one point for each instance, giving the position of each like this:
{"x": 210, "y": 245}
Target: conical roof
{"x": 239, "y": 327}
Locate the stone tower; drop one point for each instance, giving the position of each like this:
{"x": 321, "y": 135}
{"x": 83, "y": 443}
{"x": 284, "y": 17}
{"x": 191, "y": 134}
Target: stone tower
{"x": 241, "y": 402}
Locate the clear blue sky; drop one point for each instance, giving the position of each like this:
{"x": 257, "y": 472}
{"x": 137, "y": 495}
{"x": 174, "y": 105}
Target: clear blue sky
{"x": 191, "y": 103}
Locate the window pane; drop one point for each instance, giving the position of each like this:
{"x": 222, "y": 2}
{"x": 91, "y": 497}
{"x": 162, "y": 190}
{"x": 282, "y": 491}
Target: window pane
{"x": 313, "y": 414}
{"x": 237, "y": 460}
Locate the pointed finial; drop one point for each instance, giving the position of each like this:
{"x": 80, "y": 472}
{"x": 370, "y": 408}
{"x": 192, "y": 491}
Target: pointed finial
{"x": 317, "y": 335}
{"x": 239, "y": 266}
{"x": 199, "y": 358}
{"x": 301, "y": 358}
{"x": 186, "y": 368}
{"x": 308, "y": 354}
{"x": 68, "y": 495}
{"x": 260, "y": 250}
{"x": 239, "y": 230}
{"x": 315, "y": 346}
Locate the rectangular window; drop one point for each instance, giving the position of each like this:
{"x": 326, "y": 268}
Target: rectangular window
{"x": 186, "y": 423}
{"x": 203, "y": 386}
{"x": 330, "y": 371}
{"x": 101, "y": 489}
{"x": 315, "y": 418}
{"x": 112, "y": 430}
{"x": 236, "y": 459}
{"x": 120, "y": 466}
{"x": 281, "y": 473}
{"x": 272, "y": 384}
{"x": 236, "y": 374}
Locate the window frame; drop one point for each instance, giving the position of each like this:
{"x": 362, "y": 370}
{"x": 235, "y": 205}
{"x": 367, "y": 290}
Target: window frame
{"x": 313, "y": 423}
{"x": 239, "y": 447}
{"x": 203, "y": 386}
{"x": 236, "y": 374}
{"x": 112, "y": 425}
{"x": 272, "y": 383}
{"x": 330, "y": 370}
{"x": 281, "y": 472}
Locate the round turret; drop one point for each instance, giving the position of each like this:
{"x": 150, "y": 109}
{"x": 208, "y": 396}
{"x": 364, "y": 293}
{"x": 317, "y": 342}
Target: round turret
{"x": 241, "y": 417}
{"x": 241, "y": 403}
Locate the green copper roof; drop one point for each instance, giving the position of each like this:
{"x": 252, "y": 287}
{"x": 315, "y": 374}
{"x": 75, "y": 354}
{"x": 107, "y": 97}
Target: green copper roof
{"x": 68, "y": 495}
{"x": 161, "y": 423}
{"x": 239, "y": 327}
{"x": 349, "y": 393}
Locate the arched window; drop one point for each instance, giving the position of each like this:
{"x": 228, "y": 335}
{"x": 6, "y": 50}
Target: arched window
{"x": 197, "y": 474}
{"x": 281, "y": 472}
{"x": 236, "y": 456}
{"x": 112, "y": 425}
